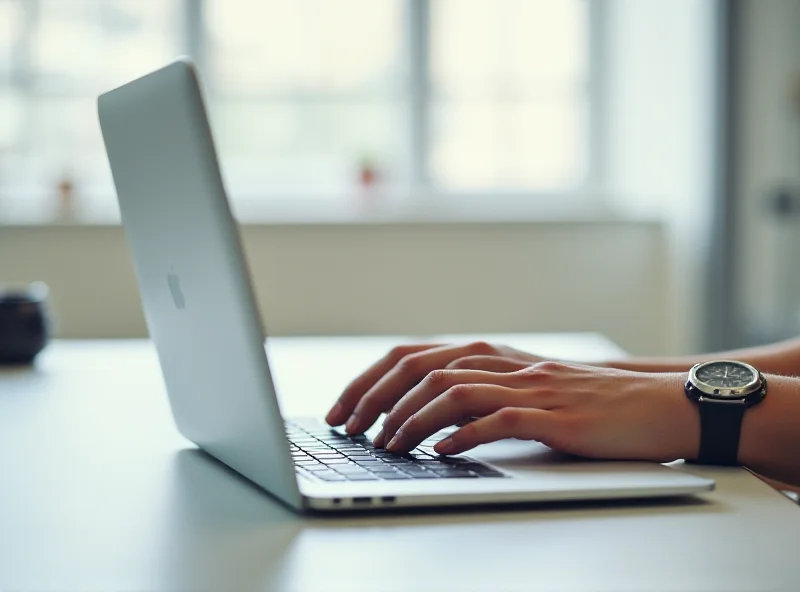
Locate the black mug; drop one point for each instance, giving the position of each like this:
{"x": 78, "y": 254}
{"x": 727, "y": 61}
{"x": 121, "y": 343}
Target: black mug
{"x": 24, "y": 323}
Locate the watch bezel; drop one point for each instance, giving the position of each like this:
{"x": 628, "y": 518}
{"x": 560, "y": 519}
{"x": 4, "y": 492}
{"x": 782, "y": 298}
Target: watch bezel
{"x": 721, "y": 393}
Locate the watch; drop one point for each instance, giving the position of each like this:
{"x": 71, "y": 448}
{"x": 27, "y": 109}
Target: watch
{"x": 723, "y": 390}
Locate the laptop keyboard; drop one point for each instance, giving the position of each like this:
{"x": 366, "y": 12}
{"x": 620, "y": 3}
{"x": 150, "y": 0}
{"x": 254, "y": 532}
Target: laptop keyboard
{"x": 322, "y": 453}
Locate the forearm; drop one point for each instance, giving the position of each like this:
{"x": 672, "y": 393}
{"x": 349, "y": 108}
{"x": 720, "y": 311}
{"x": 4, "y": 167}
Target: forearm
{"x": 770, "y": 437}
{"x": 777, "y": 358}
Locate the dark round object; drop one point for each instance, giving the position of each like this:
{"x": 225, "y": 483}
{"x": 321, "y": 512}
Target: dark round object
{"x": 24, "y": 323}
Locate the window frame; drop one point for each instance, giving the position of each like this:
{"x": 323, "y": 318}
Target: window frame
{"x": 418, "y": 191}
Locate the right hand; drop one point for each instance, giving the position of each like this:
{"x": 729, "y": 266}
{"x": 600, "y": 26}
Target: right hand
{"x": 390, "y": 378}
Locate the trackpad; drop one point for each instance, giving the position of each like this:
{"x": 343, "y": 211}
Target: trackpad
{"x": 519, "y": 456}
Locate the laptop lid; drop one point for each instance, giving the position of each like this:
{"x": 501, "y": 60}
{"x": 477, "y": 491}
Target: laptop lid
{"x": 196, "y": 293}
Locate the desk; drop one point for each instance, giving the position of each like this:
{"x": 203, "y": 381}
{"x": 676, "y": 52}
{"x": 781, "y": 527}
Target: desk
{"x": 99, "y": 492}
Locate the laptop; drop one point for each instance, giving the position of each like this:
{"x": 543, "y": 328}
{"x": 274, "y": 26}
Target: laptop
{"x": 201, "y": 314}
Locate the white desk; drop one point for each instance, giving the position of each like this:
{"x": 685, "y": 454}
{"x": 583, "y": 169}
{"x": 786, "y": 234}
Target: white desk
{"x": 98, "y": 492}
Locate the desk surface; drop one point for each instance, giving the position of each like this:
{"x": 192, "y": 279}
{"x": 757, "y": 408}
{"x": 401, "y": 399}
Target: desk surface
{"x": 100, "y": 493}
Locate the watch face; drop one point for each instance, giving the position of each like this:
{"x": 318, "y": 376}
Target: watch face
{"x": 724, "y": 376}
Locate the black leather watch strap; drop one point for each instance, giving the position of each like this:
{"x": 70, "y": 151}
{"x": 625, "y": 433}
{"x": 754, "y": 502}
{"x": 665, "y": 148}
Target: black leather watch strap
{"x": 720, "y": 427}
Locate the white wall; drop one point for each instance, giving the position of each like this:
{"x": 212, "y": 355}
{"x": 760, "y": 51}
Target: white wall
{"x": 769, "y": 157}
{"x": 611, "y": 277}
{"x": 659, "y": 154}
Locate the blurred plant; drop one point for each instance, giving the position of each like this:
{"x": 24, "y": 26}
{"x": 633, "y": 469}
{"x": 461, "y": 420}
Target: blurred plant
{"x": 367, "y": 172}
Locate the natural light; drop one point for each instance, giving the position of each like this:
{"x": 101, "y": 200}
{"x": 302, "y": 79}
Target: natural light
{"x": 311, "y": 101}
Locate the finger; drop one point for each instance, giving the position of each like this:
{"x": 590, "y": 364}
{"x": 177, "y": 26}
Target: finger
{"x": 431, "y": 387}
{"x": 347, "y": 401}
{"x": 406, "y": 373}
{"x": 488, "y": 363}
{"x": 509, "y": 422}
{"x": 458, "y": 402}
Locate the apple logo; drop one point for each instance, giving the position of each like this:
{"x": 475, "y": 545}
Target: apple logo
{"x": 174, "y": 283}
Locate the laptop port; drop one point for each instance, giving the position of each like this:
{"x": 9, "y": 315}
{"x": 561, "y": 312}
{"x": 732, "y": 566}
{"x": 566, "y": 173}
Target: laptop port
{"x": 362, "y": 500}
{"x": 389, "y": 499}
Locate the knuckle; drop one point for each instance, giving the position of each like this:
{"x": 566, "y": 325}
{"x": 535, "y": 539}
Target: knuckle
{"x": 482, "y": 348}
{"x": 509, "y": 418}
{"x": 545, "y": 392}
{"x": 398, "y": 352}
{"x": 460, "y": 394}
{"x": 408, "y": 364}
{"x": 547, "y": 367}
{"x": 544, "y": 369}
{"x": 437, "y": 377}
{"x": 460, "y": 363}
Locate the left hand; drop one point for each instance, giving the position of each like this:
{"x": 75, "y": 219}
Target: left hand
{"x": 583, "y": 410}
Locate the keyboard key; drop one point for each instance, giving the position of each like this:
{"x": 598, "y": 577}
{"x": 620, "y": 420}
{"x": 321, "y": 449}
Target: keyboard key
{"x": 317, "y": 467}
{"x": 360, "y": 457}
{"x": 350, "y": 474}
{"x": 425, "y": 475}
{"x": 383, "y": 472}
{"x": 382, "y": 467}
{"x": 359, "y": 477}
{"x": 414, "y": 471}
{"x": 453, "y": 473}
{"x": 330, "y": 476}
{"x": 348, "y": 469}
{"x": 318, "y": 450}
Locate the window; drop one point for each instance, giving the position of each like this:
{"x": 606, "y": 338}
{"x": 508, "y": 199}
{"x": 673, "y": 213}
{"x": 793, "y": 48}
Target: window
{"x": 309, "y": 99}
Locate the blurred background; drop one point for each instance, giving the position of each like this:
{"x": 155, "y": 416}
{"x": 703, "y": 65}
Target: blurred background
{"x": 435, "y": 166}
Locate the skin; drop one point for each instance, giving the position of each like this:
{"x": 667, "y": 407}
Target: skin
{"x": 628, "y": 409}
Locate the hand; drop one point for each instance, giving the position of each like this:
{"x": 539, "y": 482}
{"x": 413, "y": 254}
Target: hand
{"x": 383, "y": 384}
{"x": 584, "y": 410}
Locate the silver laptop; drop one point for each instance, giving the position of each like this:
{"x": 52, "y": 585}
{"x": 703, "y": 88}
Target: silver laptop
{"x": 201, "y": 313}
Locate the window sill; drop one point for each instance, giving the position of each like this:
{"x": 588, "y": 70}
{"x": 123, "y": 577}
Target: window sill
{"x": 510, "y": 209}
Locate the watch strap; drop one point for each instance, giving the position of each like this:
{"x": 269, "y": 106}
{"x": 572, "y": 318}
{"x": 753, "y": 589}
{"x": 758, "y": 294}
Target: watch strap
{"x": 720, "y": 428}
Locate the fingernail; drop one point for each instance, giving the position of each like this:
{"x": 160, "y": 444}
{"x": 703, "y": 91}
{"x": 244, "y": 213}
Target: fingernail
{"x": 335, "y": 411}
{"x": 378, "y": 441}
{"x": 394, "y": 442}
{"x": 445, "y": 446}
{"x": 350, "y": 426}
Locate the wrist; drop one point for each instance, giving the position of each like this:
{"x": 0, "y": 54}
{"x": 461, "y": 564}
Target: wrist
{"x": 768, "y": 429}
{"x": 686, "y": 426}
{"x": 674, "y": 430}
